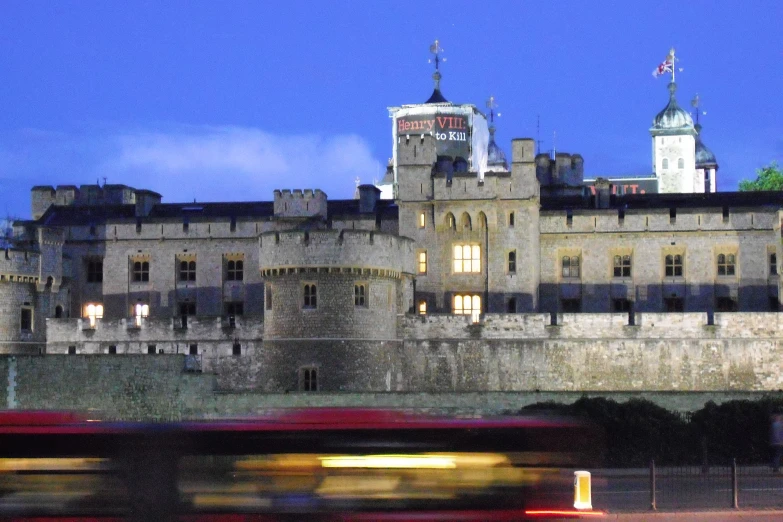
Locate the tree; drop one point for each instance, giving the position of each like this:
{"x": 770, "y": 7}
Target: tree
{"x": 769, "y": 177}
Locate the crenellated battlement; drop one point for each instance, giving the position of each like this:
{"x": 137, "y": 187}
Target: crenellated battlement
{"x": 300, "y": 203}
{"x": 19, "y": 266}
{"x": 336, "y": 248}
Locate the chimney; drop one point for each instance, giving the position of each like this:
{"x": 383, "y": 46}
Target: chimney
{"x": 603, "y": 193}
{"x": 368, "y": 197}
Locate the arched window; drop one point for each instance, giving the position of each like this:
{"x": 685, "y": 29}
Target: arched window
{"x": 665, "y": 163}
{"x": 58, "y": 311}
{"x": 680, "y": 163}
{"x": 482, "y": 220}
{"x": 465, "y": 223}
{"x": 451, "y": 223}
{"x": 310, "y": 297}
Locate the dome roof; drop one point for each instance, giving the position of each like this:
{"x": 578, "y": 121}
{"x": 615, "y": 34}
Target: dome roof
{"x": 704, "y": 156}
{"x": 672, "y": 117}
{"x": 495, "y": 155}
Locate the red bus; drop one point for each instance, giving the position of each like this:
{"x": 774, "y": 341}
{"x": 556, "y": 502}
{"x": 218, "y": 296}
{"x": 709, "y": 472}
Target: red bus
{"x": 310, "y": 464}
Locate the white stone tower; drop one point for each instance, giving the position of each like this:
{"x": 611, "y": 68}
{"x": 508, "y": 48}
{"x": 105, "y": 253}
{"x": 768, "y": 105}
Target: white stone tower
{"x": 674, "y": 149}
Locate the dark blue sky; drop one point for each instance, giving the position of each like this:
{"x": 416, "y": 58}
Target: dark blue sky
{"x": 230, "y": 100}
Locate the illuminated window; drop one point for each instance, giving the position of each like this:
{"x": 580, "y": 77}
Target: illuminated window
{"x": 187, "y": 270}
{"x": 467, "y": 259}
{"x": 423, "y": 262}
{"x": 451, "y": 223}
{"x": 308, "y": 379}
{"x": 512, "y": 262}
{"x": 570, "y": 268}
{"x": 360, "y": 294}
{"x": 93, "y": 312}
{"x": 141, "y": 271}
{"x": 140, "y": 311}
{"x": 422, "y": 307}
{"x": 422, "y": 219}
{"x": 726, "y": 265}
{"x": 235, "y": 270}
{"x": 674, "y": 265}
{"x": 622, "y": 266}
{"x": 467, "y": 305}
{"x": 94, "y": 271}
{"x": 310, "y": 296}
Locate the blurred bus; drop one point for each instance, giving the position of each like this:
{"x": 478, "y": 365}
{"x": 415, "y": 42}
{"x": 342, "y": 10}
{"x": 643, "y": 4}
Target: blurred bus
{"x": 309, "y": 464}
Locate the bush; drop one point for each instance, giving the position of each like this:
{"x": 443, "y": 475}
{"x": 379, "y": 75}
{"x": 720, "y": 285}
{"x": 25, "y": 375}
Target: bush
{"x": 638, "y": 431}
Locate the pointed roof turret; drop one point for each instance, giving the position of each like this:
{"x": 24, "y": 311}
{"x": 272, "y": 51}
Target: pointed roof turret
{"x": 496, "y": 158}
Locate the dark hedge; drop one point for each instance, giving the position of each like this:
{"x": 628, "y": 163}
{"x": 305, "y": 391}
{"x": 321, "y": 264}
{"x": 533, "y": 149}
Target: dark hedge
{"x": 638, "y": 431}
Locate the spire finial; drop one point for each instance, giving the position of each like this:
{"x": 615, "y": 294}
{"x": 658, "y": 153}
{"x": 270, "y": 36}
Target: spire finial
{"x": 696, "y": 104}
{"x": 672, "y": 59}
{"x": 436, "y": 50}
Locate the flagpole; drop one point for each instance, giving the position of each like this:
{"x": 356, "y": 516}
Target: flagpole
{"x": 673, "y": 60}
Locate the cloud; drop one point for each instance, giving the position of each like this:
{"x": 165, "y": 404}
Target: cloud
{"x": 182, "y": 162}
{"x": 239, "y": 163}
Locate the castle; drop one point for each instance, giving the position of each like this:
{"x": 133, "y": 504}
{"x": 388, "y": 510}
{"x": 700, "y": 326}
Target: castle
{"x": 480, "y": 275}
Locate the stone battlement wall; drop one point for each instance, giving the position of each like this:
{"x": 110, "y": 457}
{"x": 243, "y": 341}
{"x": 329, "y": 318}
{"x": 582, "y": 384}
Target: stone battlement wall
{"x": 581, "y": 326}
{"x": 656, "y": 220}
{"x": 18, "y": 263}
{"x": 335, "y": 248}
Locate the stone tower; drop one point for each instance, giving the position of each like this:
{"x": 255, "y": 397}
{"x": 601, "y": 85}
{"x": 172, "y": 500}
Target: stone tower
{"x": 673, "y": 145}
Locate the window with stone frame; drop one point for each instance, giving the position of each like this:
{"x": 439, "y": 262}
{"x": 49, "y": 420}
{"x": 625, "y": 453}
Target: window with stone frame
{"x": 571, "y": 305}
{"x": 512, "y": 262}
{"x": 673, "y": 304}
{"x": 94, "y": 270}
{"x": 621, "y": 266}
{"x": 511, "y": 220}
{"x": 236, "y": 348}
{"x": 233, "y": 309}
{"x": 422, "y": 219}
{"x": 725, "y": 304}
{"x": 187, "y": 270}
{"x": 467, "y": 259}
{"x": 140, "y": 271}
{"x": 26, "y": 320}
{"x": 308, "y": 379}
{"x": 422, "y": 308}
{"x": 773, "y": 264}
{"x": 235, "y": 269}
{"x": 570, "y": 266}
{"x": 268, "y": 296}
{"x": 422, "y": 261}
{"x": 187, "y": 307}
{"x": 621, "y": 305}
{"x": 360, "y": 295}
{"x": 310, "y": 292}
{"x": 673, "y": 265}
{"x": 466, "y": 304}
{"x": 726, "y": 264}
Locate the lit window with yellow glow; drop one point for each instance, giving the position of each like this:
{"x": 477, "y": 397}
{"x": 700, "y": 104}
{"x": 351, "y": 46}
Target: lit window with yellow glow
{"x": 422, "y": 219}
{"x": 93, "y": 312}
{"x": 467, "y": 259}
{"x": 422, "y": 307}
{"x": 140, "y": 311}
{"x": 423, "y": 262}
{"x": 467, "y": 304}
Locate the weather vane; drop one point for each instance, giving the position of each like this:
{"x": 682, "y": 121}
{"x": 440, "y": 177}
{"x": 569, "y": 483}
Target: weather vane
{"x": 492, "y": 105}
{"x": 436, "y": 49}
{"x": 696, "y": 104}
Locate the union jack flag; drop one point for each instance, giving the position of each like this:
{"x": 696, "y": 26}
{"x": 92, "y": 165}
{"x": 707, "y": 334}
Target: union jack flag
{"x": 665, "y": 66}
